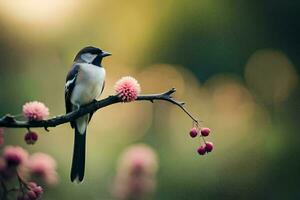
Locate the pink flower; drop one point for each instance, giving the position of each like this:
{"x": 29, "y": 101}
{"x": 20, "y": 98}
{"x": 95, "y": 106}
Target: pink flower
{"x": 31, "y": 137}
{"x": 15, "y": 156}
{"x": 35, "y": 111}
{"x": 136, "y": 173}
{"x": 127, "y": 88}
{"x": 43, "y": 167}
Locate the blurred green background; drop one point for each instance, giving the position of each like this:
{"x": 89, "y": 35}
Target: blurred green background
{"x": 235, "y": 64}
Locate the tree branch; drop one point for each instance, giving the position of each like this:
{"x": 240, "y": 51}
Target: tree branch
{"x": 10, "y": 121}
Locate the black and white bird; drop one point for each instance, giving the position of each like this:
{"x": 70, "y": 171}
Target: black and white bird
{"x": 85, "y": 82}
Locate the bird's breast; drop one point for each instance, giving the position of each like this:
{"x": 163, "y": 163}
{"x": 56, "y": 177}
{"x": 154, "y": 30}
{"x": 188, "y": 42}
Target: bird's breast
{"x": 88, "y": 85}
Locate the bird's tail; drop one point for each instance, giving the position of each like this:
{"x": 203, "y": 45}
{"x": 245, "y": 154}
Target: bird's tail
{"x": 78, "y": 162}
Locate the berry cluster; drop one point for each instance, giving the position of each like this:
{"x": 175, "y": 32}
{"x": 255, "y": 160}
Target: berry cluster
{"x": 202, "y": 132}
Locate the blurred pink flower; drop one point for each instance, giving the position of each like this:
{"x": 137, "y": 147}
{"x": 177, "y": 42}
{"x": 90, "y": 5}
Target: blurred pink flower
{"x": 43, "y": 167}
{"x": 136, "y": 173}
{"x": 127, "y": 88}
{"x": 15, "y": 156}
{"x": 31, "y": 137}
{"x": 35, "y": 111}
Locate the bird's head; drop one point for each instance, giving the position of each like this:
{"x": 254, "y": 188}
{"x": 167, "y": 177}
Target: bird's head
{"x": 91, "y": 55}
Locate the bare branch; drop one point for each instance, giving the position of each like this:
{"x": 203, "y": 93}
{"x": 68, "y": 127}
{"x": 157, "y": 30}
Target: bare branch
{"x": 10, "y": 122}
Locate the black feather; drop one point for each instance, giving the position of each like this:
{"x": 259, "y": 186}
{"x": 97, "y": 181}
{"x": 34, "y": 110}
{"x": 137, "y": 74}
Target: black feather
{"x": 72, "y": 76}
{"x": 88, "y": 49}
{"x": 78, "y": 162}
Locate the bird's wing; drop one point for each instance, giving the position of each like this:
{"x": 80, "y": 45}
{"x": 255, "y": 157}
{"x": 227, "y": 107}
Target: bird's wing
{"x": 69, "y": 86}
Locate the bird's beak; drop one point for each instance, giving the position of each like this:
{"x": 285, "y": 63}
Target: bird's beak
{"x": 104, "y": 54}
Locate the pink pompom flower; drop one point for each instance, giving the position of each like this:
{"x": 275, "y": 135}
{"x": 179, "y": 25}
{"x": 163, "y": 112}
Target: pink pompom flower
{"x": 35, "y": 111}
{"x": 31, "y": 137}
{"x": 15, "y": 156}
{"x": 43, "y": 167}
{"x": 127, "y": 88}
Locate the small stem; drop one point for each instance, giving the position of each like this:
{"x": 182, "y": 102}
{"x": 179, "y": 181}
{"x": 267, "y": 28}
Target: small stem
{"x": 189, "y": 114}
{"x": 203, "y": 139}
{"x": 22, "y": 184}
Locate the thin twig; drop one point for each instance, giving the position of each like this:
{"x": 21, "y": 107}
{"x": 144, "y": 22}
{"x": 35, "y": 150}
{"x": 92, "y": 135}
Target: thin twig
{"x": 10, "y": 122}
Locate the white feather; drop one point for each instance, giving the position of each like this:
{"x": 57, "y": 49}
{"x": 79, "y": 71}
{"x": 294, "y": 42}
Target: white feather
{"x": 69, "y": 82}
{"x": 82, "y": 123}
{"x": 88, "y": 86}
{"x": 88, "y": 57}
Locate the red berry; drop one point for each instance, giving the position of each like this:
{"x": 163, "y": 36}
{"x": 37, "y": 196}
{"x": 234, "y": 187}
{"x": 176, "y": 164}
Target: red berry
{"x": 193, "y": 132}
{"x": 31, "y": 137}
{"x": 209, "y": 146}
{"x": 201, "y": 150}
{"x": 205, "y": 132}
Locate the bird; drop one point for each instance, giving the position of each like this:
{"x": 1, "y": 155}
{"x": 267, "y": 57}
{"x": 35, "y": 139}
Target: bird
{"x": 84, "y": 84}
